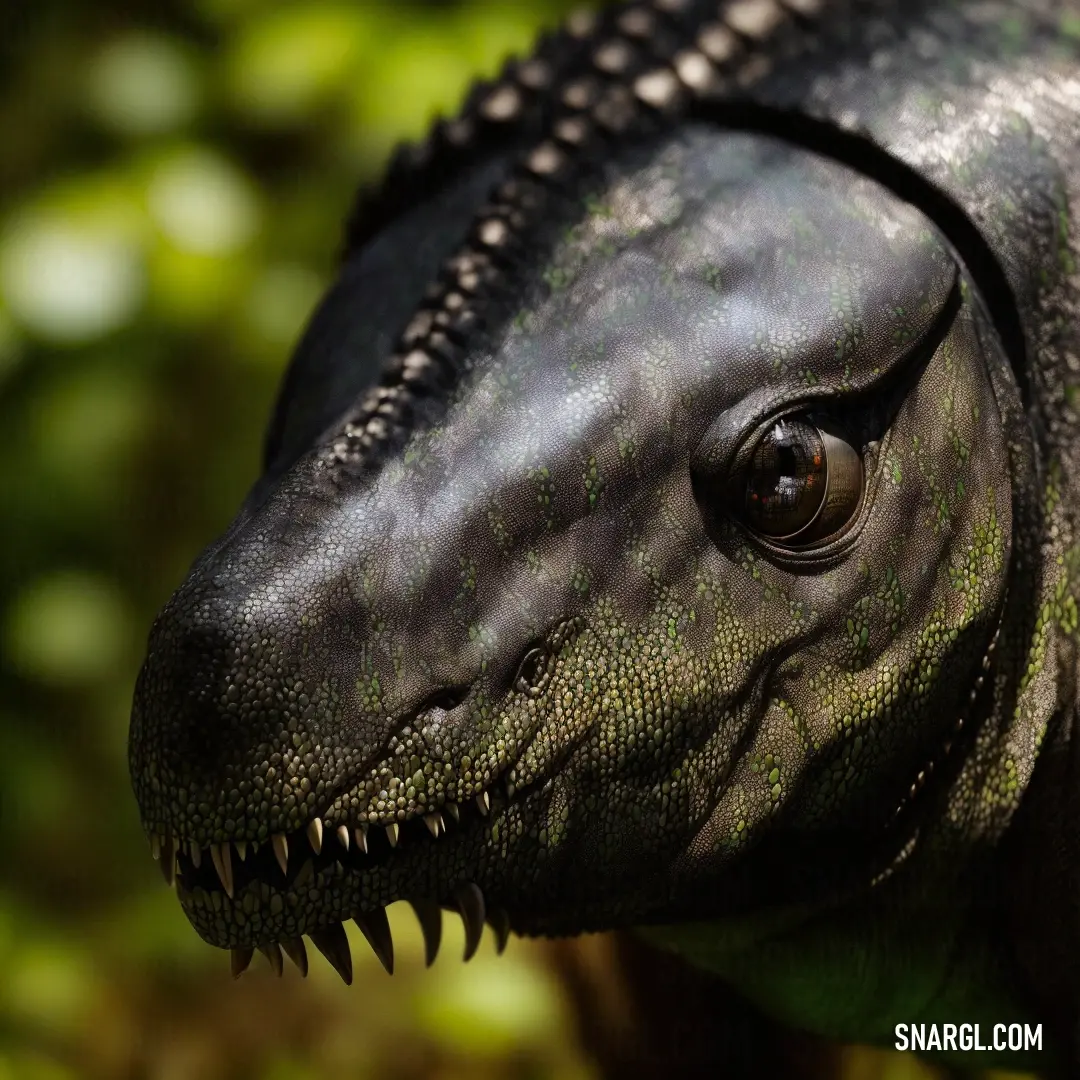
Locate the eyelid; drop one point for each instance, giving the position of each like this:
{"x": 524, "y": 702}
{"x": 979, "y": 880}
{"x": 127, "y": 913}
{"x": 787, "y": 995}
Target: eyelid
{"x": 729, "y": 442}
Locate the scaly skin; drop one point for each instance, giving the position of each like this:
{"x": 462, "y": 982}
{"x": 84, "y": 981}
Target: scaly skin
{"x": 512, "y": 622}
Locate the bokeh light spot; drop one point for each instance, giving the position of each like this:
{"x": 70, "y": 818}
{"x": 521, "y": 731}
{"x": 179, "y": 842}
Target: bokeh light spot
{"x": 142, "y": 84}
{"x": 85, "y": 426}
{"x": 65, "y": 628}
{"x": 202, "y": 203}
{"x": 49, "y": 983}
{"x": 488, "y": 1007}
{"x": 69, "y": 281}
{"x": 288, "y": 61}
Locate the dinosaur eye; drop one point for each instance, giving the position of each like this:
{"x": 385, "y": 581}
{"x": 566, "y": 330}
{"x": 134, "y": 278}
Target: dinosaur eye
{"x": 803, "y": 484}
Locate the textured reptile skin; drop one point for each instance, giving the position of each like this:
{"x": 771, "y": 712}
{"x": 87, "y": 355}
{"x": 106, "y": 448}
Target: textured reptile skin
{"x": 503, "y": 609}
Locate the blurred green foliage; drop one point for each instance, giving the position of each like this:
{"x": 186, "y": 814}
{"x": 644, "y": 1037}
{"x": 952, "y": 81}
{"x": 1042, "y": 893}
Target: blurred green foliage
{"x": 172, "y": 185}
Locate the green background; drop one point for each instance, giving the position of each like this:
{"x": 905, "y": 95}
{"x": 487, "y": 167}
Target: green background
{"x": 173, "y": 178}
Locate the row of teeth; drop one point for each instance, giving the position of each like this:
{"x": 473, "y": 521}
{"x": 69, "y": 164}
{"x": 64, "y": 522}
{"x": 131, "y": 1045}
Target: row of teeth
{"x": 333, "y": 943}
{"x": 166, "y": 849}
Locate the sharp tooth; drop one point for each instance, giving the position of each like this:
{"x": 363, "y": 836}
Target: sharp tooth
{"x": 295, "y": 951}
{"x": 483, "y": 802}
{"x": 434, "y": 822}
{"x": 392, "y": 834}
{"x": 223, "y": 865}
{"x": 240, "y": 960}
{"x": 314, "y": 834}
{"x": 168, "y": 861}
{"x": 499, "y": 921}
{"x": 334, "y": 945}
{"x": 361, "y": 837}
{"x": 155, "y": 845}
{"x": 470, "y": 904}
{"x": 429, "y": 915}
{"x": 196, "y": 855}
{"x": 376, "y": 929}
{"x": 307, "y": 872}
{"x": 241, "y": 849}
{"x": 343, "y": 836}
{"x": 281, "y": 851}
{"x": 273, "y": 954}
{"x": 453, "y": 810}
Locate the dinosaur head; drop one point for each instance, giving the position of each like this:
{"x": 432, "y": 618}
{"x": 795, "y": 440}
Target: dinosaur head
{"x": 682, "y": 583}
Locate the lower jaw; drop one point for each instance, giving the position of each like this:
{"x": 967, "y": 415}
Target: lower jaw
{"x": 255, "y": 894}
{"x": 274, "y": 922}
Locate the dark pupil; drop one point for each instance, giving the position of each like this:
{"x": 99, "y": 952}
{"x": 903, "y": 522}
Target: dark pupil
{"x": 786, "y": 482}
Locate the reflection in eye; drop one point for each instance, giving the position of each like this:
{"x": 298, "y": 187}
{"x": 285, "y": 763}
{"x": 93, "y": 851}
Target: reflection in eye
{"x": 804, "y": 483}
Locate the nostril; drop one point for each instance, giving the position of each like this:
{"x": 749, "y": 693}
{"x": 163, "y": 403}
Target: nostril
{"x": 445, "y": 698}
{"x": 532, "y": 667}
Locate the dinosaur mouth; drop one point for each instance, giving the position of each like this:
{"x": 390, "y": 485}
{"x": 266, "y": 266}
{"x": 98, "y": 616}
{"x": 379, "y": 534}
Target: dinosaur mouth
{"x": 235, "y": 877}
